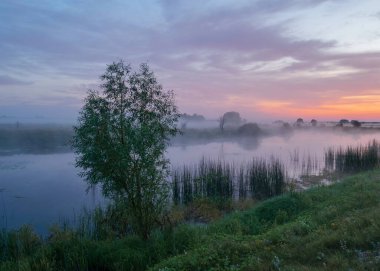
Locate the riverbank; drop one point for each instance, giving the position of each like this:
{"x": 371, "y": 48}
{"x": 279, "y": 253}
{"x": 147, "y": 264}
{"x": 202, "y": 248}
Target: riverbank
{"x": 331, "y": 228}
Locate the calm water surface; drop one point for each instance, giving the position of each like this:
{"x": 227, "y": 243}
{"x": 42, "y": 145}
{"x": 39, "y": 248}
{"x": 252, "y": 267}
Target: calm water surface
{"x": 44, "y": 189}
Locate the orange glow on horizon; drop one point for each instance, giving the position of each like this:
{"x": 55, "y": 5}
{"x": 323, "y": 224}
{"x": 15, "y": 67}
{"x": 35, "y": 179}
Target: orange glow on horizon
{"x": 358, "y": 107}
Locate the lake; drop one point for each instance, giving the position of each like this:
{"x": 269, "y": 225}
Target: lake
{"x": 41, "y": 190}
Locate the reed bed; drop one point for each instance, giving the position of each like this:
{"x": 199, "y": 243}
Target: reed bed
{"x": 258, "y": 179}
{"x": 306, "y": 164}
{"x": 266, "y": 178}
{"x": 310, "y": 164}
{"x": 353, "y": 158}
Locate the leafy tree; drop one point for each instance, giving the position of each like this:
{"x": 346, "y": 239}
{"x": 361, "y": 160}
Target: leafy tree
{"x": 121, "y": 139}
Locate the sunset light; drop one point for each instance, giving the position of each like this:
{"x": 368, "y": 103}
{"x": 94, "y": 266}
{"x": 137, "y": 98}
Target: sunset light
{"x": 189, "y": 135}
{"x": 301, "y": 58}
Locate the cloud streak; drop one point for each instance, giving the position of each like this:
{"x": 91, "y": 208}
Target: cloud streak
{"x": 222, "y": 53}
{"x": 8, "y": 80}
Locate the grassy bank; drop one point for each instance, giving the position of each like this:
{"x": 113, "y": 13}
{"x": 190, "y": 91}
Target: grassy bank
{"x": 328, "y": 228}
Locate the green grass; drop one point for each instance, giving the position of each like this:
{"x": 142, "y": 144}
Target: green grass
{"x": 323, "y": 228}
{"x": 330, "y": 228}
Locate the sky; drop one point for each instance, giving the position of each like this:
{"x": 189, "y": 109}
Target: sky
{"x": 267, "y": 59}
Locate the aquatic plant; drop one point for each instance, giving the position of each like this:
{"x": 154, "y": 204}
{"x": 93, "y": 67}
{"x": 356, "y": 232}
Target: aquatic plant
{"x": 224, "y": 180}
{"x": 353, "y": 158}
{"x": 266, "y": 178}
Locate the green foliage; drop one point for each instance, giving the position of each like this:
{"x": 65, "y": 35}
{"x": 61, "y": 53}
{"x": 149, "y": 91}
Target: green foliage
{"x": 121, "y": 139}
{"x": 323, "y": 228}
{"x": 17, "y": 244}
{"x": 281, "y": 208}
{"x": 339, "y": 224}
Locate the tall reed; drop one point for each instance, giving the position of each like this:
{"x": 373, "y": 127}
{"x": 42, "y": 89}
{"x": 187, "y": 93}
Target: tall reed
{"x": 353, "y": 158}
{"x": 266, "y": 178}
{"x": 225, "y": 180}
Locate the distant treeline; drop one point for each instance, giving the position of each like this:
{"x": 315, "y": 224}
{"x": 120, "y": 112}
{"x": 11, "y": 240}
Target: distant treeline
{"x": 194, "y": 117}
{"x": 50, "y": 138}
{"x": 28, "y": 138}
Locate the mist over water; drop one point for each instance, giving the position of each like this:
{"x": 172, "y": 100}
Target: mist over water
{"x": 42, "y": 189}
{"x": 292, "y": 149}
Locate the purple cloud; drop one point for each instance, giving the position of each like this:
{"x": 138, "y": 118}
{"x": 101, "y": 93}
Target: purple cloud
{"x": 216, "y": 52}
{"x": 8, "y": 80}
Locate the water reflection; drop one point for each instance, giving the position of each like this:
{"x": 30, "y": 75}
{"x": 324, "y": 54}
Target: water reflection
{"x": 41, "y": 189}
{"x": 249, "y": 143}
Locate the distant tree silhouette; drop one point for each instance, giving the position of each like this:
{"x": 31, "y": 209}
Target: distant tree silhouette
{"x": 278, "y": 122}
{"x": 194, "y": 117}
{"x": 356, "y": 123}
{"x": 249, "y": 129}
{"x": 343, "y": 121}
{"x": 299, "y": 122}
{"x": 231, "y": 118}
{"x": 314, "y": 122}
{"x": 286, "y": 125}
